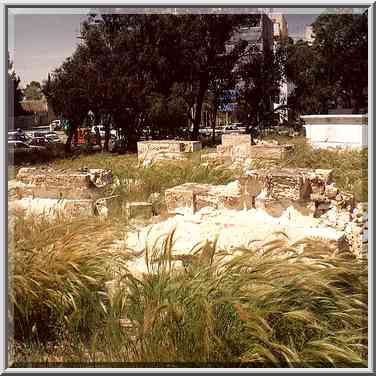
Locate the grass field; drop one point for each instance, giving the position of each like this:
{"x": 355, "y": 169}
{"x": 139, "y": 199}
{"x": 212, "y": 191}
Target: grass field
{"x": 275, "y": 309}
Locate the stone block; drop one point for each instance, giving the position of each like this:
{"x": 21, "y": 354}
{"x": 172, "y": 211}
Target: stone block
{"x": 63, "y": 184}
{"x": 239, "y": 153}
{"x": 279, "y": 184}
{"x": 220, "y": 197}
{"x": 166, "y": 149}
{"x": 276, "y": 208}
{"x": 269, "y": 151}
{"x": 51, "y": 208}
{"x": 235, "y": 139}
{"x": 139, "y": 209}
{"x": 184, "y": 196}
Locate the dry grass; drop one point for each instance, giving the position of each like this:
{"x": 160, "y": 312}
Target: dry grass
{"x": 275, "y": 308}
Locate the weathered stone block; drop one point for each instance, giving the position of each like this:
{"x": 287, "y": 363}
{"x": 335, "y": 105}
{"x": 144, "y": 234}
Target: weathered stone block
{"x": 235, "y": 139}
{"x": 279, "y": 184}
{"x": 224, "y": 149}
{"x": 272, "y": 152}
{"x": 276, "y": 208}
{"x": 50, "y": 208}
{"x": 166, "y": 149}
{"x": 139, "y": 209}
{"x": 184, "y": 196}
{"x": 67, "y": 184}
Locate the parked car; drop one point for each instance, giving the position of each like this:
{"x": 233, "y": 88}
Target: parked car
{"x": 56, "y": 125}
{"x": 18, "y": 136}
{"x": 40, "y": 141}
{"x": 102, "y": 131}
{"x": 53, "y": 137}
{"x": 234, "y": 128}
{"x": 18, "y": 147}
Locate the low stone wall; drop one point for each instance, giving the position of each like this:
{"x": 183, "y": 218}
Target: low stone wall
{"x": 233, "y": 139}
{"x": 62, "y": 184}
{"x": 166, "y": 149}
{"x": 308, "y": 189}
{"x": 49, "y": 192}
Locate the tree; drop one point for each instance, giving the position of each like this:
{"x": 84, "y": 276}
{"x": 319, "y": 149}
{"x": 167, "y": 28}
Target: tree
{"x": 260, "y": 77}
{"x": 15, "y": 95}
{"x": 333, "y": 70}
{"x": 33, "y": 91}
{"x": 341, "y": 44}
{"x": 67, "y": 90}
{"x": 204, "y": 56}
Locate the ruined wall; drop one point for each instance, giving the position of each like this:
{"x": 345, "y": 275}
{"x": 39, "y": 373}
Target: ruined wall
{"x": 166, "y": 149}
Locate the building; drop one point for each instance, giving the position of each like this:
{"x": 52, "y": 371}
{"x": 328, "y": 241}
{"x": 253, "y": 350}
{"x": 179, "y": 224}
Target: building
{"x": 36, "y": 113}
{"x": 260, "y": 40}
{"x": 308, "y": 35}
{"x": 259, "y": 37}
{"x": 281, "y": 36}
{"x": 280, "y": 28}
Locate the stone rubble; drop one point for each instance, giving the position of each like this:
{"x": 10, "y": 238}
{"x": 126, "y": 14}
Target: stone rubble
{"x": 238, "y": 149}
{"x": 232, "y": 229}
{"x": 51, "y": 193}
{"x": 150, "y": 152}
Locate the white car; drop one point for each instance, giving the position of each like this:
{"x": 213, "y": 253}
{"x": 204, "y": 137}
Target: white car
{"x": 102, "y": 131}
{"x": 53, "y": 137}
{"x": 234, "y": 128}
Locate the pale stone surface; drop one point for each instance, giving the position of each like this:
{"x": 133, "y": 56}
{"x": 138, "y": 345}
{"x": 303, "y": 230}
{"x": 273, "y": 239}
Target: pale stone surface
{"x": 51, "y": 208}
{"x": 235, "y": 139}
{"x": 166, "y": 150}
{"x": 64, "y": 184}
{"x": 233, "y": 229}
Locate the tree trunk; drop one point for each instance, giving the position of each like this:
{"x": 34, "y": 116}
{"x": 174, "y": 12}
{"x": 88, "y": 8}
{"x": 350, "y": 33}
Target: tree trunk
{"x": 107, "y": 135}
{"x": 71, "y": 133}
{"x": 200, "y": 99}
{"x": 214, "y": 121}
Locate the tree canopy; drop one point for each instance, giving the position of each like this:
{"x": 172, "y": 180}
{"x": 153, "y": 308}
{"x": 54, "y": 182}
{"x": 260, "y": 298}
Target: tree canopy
{"x": 332, "y": 71}
{"x": 33, "y": 91}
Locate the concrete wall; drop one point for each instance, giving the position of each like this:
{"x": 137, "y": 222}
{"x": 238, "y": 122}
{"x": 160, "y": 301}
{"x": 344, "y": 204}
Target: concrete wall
{"x": 336, "y": 130}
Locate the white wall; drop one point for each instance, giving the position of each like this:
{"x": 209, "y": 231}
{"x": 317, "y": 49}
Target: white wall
{"x": 336, "y": 131}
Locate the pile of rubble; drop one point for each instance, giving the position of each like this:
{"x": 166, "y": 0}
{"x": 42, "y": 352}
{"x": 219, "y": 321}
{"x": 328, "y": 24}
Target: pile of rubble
{"x": 49, "y": 192}
{"x": 311, "y": 193}
{"x": 238, "y": 149}
{"x": 150, "y": 152}
{"x": 308, "y": 190}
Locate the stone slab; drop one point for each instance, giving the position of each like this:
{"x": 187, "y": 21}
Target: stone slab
{"x": 235, "y": 139}
{"x": 156, "y": 149}
{"x": 271, "y": 152}
{"x": 139, "y": 209}
{"x": 67, "y": 184}
{"x": 184, "y": 196}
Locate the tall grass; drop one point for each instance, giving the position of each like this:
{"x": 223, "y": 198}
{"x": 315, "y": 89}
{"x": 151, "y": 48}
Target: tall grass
{"x": 276, "y": 307}
{"x": 350, "y": 167}
{"x": 280, "y": 308}
{"x": 57, "y": 276}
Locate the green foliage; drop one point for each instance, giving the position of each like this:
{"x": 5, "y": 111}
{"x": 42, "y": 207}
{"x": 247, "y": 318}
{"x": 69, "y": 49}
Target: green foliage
{"x": 14, "y": 92}
{"x": 33, "y": 91}
{"x": 331, "y": 72}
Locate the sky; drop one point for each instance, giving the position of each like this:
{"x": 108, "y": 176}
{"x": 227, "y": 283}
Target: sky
{"x": 39, "y": 43}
